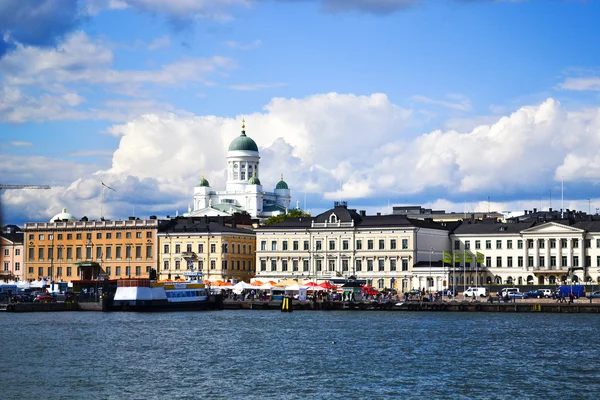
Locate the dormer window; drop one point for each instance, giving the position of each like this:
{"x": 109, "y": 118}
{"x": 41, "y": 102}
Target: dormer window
{"x": 332, "y": 218}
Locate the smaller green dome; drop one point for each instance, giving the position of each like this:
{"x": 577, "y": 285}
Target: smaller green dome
{"x": 254, "y": 180}
{"x": 281, "y": 184}
{"x": 203, "y": 182}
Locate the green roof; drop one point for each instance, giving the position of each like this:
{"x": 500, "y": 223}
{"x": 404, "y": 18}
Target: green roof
{"x": 243, "y": 143}
{"x": 254, "y": 180}
{"x": 281, "y": 184}
{"x": 203, "y": 182}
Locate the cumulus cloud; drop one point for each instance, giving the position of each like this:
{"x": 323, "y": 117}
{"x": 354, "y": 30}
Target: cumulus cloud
{"x": 338, "y": 146}
{"x": 582, "y": 83}
{"x": 243, "y": 46}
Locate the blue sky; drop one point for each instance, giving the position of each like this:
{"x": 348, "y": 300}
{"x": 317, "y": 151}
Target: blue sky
{"x": 441, "y": 103}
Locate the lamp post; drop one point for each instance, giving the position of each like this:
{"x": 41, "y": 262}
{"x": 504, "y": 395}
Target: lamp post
{"x": 430, "y": 277}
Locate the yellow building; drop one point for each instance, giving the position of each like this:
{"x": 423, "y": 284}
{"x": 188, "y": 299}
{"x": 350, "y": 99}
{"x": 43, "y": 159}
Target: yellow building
{"x": 189, "y": 245}
{"x": 57, "y": 249}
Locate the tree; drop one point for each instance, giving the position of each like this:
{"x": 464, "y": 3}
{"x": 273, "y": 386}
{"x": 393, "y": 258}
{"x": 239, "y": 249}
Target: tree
{"x": 275, "y": 219}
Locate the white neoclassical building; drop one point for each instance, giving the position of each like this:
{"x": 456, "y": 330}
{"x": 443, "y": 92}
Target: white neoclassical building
{"x": 243, "y": 191}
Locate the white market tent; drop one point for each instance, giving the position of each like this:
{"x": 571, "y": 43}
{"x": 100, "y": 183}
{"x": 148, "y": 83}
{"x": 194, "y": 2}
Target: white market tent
{"x": 241, "y": 286}
{"x": 296, "y": 289}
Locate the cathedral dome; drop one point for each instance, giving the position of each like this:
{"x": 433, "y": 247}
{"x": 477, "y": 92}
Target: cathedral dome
{"x": 254, "y": 180}
{"x": 203, "y": 182}
{"x": 243, "y": 142}
{"x": 62, "y": 216}
{"x": 281, "y": 184}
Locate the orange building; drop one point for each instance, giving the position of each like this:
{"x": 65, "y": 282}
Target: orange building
{"x": 11, "y": 254}
{"x": 57, "y": 250}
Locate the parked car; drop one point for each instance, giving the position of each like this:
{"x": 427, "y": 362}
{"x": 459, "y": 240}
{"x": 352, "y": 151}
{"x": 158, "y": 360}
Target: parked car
{"x": 509, "y": 290}
{"x": 516, "y": 295}
{"x": 45, "y": 298}
{"x": 445, "y": 292}
{"x": 547, "y": 293}
{"x": 594, "y": 295}
{"x": 476, "y": 292}
{"x": 533, "y": 294}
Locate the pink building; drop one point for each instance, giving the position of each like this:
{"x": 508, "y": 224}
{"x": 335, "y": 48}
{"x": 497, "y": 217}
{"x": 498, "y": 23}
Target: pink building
{"x": 11, "y": 254}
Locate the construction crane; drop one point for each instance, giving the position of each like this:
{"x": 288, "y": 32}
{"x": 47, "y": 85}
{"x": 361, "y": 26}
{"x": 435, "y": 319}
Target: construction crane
{"x": 24, "y": 186}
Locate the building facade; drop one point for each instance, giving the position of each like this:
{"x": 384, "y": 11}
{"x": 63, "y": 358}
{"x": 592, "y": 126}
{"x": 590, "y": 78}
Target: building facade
{"x": 57, "y": 250}
{"x": 341, "y": 243}
{"x": 11, "y": 254}
{"x": 244, "y": 191}
{"x": 534, "y": 253}
{"x": 220, "y": 252}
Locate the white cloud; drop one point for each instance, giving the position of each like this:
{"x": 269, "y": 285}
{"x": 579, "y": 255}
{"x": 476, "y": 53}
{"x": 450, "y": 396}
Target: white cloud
{"x": 20, "y": 143}
{"x": 587, "y": 83}
{"x": 159, "y": 42}
{"x": 461, "y": 103}
{"x": 242, "y": 46}
{"x": 256, "y": 86}
{"x": 339, "y": 146}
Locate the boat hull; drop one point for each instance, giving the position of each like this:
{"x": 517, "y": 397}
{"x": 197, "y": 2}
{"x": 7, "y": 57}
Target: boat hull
{"x": 214, "y": 302}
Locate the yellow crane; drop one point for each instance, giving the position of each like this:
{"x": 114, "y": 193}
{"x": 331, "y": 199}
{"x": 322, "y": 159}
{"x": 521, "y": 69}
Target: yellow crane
{"x": 2, "y": 186}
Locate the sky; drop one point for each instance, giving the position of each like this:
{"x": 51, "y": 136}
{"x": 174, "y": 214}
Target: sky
{"x": 460, "y": 105}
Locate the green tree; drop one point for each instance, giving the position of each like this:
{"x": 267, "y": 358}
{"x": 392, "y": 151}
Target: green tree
{"x": 275, "y": 219}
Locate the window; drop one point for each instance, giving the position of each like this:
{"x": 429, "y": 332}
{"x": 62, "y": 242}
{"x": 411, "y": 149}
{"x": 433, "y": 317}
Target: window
{"x": 118, "y": 270}
{"x": 499, "y": 262}
{"x": 381, "y": 244}
{"x": 345, "y": 245}
{"x": 69, "y": 253}
{"x": 358, "y": 265}
{"x": 467, "y": 245}
{"x": 263, "y": 265}
{"x": 165, "y": 265}
{"x": 40, "y": 271}
{"x": 98, "y": 252}
{"x": 381, "y": 265}
{"x": 88, "y": 252}
{"x": 520, "y": 261}
{"x": 344, "y": 265}
{"x": 509, "y": 262}
{"x": 332, "y": 245}
{"x": 177, "y": 265}
{"x": 118, "y": 254}
{"x": 563, "y": 261}
{"x": 98, "y": 235}
{"x": 128, "y": 270}
{"x": 88, "y": 236}
{"x": 478, "y": 244}
{"x": 41, "y": 237}
{"x": 273, "y": 265}
{"x": 213, "y": 247}
{"x": 284, "y": 245}
{"x": 369, "y": 265}
{"x": 17, "y": 266}
{"x": 370, "y": 244}
{"x": 541, "y": 243}
{"x": 138, "y": 269}
{"x": 128, "y": 251}
{"x": 542, "y": 261}
{"x": 31, "y": 254}
{"x": 78, "y": 253}
{"x": 405, "y": 264}
{"x": 284, "y": 265}
{"x": 224, "y": 248}
{"x": 224, "y": 264}
{"x": 305, "y": 266}
{"x": 108, "y": 271}
{"x": 509, "y": 244}
{"x": 263, "y": 245}
{"x": 331, "y": 265}
{"x": 295, "y": 265}
{"x": 488, "y": 244}
{"x": 138, "y": 235}
{"x": 519, "y": 244}
{"x": 69, "y": 271}
{"x": 598, "y": 243}
{"x": 6, "y": 252}
{"x": 553, "y": 261}
{"x": 392, "y": 264}
{"x": 294, "y": 245}
{"x": 273, "y": 245}
{"x": 552, "y": 243}
{"x": 128, "y": 236}
{"x": 166, "y": 249}
{"x": 359, "y": 244}
{"x": 498, "y": 244}
{"x": 393, "y": 244}
{"x": 119, "y": 236}
{"x": 598, "y": 261}
{"x": 575, "y": 243}
{"x": 70, "y": 236}
{"x": 149, "y": 235}
{"x": 188, "y": 247}
{"x": 530, "y": 261}
{"x": 148, "y": 267}
{"x": 17, "y": 252}
{"x": 563, "y": 243}
{"x": 488, "y": 262}
{"x": 108, "y": 235}
{"x": 588, "y": 243}
{"x": 318, "y": 245}
{"x": 404, "y": 244}
{"x": 40, "y": 253}
{"x": 306, "y": 245}
{"x": 319, "y": 265}
{"x": 576, "y": 261}
{"x": 457, "y": 245}
{"x": 5, "y": 265}
{"x": 149, "y": 251}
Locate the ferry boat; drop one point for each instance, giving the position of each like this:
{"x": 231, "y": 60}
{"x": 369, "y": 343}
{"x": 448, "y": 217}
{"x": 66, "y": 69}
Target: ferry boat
{"x": 147, "y": 295}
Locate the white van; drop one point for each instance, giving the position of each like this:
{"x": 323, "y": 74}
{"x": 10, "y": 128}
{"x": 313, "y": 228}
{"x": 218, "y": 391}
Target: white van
{"x": 476, "y": 292}
{"x": 507, "y": 290}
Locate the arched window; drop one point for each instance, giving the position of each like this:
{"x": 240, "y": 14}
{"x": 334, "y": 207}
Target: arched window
{"x": 332, "y": 218}
{"x": 488, "y": 280}
{"x": 541, "y": 280}
{"x": 509, "y": 280}
{"x": 498, "y": 280}
{"x": 552, "y": 279}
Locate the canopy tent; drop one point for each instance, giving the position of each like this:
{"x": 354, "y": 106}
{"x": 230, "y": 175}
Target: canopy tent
{"x": 241, "y": 286}
{"x": 285, "y": 283}
{"x": 257, "y": 283}
{"x": 266, "y": 286}
{"x": 328, "y": 286}
{"x": 311, "y": 285}
{"x": 23, "y": 285}
{"x": 296, "y": 289}
{"x": 37, "y": 284}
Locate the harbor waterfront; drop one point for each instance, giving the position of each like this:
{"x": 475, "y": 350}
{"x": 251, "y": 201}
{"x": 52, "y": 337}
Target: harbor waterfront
{"x": 268, "y": 355}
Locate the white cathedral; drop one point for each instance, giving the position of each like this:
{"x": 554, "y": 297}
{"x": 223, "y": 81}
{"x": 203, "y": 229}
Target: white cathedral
{"x": 243, "y": 191}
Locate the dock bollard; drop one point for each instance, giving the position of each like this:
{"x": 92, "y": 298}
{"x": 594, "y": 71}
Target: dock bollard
{"x": 286, "y": 305}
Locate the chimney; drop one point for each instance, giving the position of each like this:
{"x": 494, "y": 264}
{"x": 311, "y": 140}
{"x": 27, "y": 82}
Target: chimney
{"x": 379, "y": 214}
{"x": 132, "y": 218}
{"x": 535, "y": 210}
{"x": 363, "y": 213}
{"x": 550, "y": 209}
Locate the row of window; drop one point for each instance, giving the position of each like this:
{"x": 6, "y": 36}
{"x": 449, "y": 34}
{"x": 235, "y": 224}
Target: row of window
{"x": 552, "y": 243}
{"x": 7, "y": 266}
{"x": 241, "y": 248}
{"x": 88, "y": 236}
{"x": 240, "y": 265}
{"x": 286, "y": 266}
{"x": 69, "y": 271}
{"x": 332, "y": 244}
{"x": 564, "y": 261}
{"x": 7, "y": 252}
{"x": 102, "y": 253}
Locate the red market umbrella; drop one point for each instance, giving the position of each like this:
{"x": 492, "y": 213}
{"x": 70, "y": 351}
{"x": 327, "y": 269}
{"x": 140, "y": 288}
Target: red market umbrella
{"x": 328, "y": 286}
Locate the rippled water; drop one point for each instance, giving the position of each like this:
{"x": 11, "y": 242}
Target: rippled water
{"x": 273, "y": 355}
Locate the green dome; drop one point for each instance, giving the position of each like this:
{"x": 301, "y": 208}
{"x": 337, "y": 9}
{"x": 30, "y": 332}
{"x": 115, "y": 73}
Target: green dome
{"x": 243, "y": 143}
{"x": 281, "y": 184}
{"x": 203, "y": 182}
{"x": 254, "y": 180}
